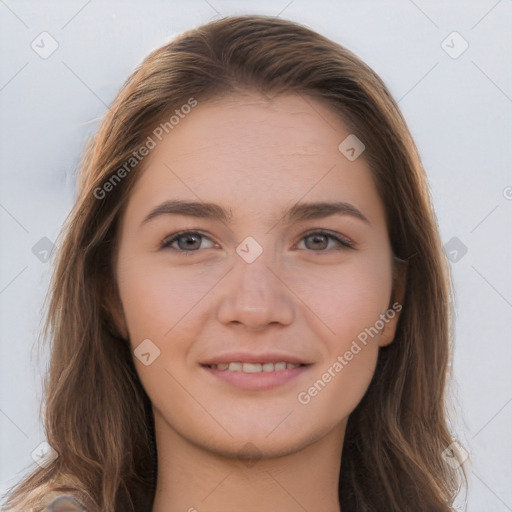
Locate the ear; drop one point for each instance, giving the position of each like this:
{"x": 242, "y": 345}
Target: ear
{"x": 113, "y": 310}
{"x": 392, "y": 314}
{"x": 119, "y": 320}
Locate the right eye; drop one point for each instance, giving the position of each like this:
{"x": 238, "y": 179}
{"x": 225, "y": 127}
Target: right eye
{"x": 188, "y": 242}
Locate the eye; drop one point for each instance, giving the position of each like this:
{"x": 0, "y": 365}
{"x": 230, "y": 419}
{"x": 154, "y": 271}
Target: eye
{"x": 188, "y": 242}
{"x": 320, "y": 241}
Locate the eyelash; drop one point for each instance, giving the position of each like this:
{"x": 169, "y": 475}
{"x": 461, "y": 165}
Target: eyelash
{"x": 166, "y": 242}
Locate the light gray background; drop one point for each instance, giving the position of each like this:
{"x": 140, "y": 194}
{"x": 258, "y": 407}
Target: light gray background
{"x": 459, "y": 111}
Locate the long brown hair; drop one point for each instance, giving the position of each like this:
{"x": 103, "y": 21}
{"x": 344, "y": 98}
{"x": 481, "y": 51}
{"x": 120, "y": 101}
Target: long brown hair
{"x": 97, "y": 415}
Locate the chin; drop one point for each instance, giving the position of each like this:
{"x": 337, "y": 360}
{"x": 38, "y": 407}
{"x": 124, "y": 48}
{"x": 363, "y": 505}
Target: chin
{"x": 263, "y": 441}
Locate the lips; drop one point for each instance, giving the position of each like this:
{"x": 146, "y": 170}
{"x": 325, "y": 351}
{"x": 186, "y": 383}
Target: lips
{"x": 245, "y": 357}
{"x": 256, "y": 372}
{"x": 236, "y": 366}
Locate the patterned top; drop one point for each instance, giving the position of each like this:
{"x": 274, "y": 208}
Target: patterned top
{"x": 66, "y": 503}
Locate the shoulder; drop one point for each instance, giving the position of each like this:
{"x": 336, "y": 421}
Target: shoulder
{"x": 67, "y": 503}
{"x": 53, "y": 498}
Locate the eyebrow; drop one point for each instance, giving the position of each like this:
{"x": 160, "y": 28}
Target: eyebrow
{"x": 298, "y": 213}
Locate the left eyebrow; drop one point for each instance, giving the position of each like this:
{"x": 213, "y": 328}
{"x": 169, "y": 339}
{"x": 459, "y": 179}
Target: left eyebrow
{"x": 298, "y": 213}
{"x": 310, "y": 211}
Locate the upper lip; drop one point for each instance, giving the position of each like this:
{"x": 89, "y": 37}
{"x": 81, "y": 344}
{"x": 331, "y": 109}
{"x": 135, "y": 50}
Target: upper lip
{"x": 246, "y": 357}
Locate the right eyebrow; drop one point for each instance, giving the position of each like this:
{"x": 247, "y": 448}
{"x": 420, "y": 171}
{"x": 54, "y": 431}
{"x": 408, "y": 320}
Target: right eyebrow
{"x": 190, "y": 209}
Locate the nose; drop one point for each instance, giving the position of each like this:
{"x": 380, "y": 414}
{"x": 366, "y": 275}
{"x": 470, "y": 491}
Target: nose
{"x": 255, "y": 296}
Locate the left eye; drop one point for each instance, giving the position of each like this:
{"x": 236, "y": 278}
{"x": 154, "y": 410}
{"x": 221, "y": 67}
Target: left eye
{"x": 323, "y": 236}
{"x": 190, "y": 241}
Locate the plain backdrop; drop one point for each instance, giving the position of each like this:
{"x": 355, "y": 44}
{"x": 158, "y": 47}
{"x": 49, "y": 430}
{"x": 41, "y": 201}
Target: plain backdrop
{"x": 455, "y": 91}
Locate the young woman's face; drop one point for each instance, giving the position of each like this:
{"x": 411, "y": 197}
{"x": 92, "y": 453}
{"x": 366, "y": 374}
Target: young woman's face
{"x": 267, "y": 283}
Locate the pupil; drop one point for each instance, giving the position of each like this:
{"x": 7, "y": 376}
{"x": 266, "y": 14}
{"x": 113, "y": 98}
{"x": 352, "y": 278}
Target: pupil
{"x": 318, "y": 238}
{"x": 190, "y": 240}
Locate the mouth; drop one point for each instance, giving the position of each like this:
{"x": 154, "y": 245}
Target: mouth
{"x": 254, "y": 375}
{"x": 269, "y": 367}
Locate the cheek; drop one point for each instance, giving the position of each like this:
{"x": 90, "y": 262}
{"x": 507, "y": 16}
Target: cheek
{"x": 156, "y": 296}
{"x": 158, "y": 303}
{"x": 343, "y": 300}
{"x": 348, "y": 303}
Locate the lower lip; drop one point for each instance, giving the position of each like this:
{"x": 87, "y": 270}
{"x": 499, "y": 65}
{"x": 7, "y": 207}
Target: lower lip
{"x": 258, "y": 381}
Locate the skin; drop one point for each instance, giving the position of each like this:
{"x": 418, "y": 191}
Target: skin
{"x": 221, "y": 447}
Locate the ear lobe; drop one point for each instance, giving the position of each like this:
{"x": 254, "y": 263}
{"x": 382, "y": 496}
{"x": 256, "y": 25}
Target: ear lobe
{"x": 119, "y": 320}
{"x": 387, "y": 334}
{"x": 397, "y": 296}
{"x": 113, "y": 309}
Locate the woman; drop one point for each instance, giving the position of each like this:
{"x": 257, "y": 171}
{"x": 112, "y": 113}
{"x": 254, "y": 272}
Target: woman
{"x": 207, "y": 353}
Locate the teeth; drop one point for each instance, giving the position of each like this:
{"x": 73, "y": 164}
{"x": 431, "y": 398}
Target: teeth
{"x": 254, "y": 367}
{"x": 268, "y": 367}
{"x": 251, "y": 368}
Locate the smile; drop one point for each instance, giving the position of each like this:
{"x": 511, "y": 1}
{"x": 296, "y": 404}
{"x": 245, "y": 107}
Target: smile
{"x": 254, "y": 367}
{"x": 255, "y": 376}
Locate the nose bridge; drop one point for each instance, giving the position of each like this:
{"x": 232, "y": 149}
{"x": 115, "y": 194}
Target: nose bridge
{"x": 252, "y": 294}
{"x": 255, "y": 285}
{"x": 255, "y": 282}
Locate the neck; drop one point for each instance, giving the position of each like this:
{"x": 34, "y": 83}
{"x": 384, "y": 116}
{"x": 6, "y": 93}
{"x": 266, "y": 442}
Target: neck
{"x": 192, "y": 478}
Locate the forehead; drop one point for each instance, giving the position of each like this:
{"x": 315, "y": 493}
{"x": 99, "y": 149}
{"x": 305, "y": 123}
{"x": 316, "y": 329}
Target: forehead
{"x": 239, "y": 125}
{"x": 252, "y": 153}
